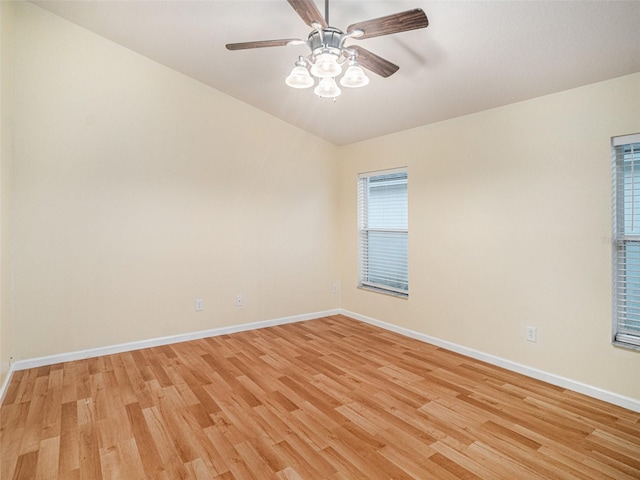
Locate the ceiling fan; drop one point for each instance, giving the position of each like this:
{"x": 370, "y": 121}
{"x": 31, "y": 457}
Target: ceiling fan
{"x": 329, "y": 53}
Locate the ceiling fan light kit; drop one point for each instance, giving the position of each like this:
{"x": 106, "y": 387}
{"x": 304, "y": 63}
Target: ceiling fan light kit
{"x": 299, "y": 77}
{"x": 329, "y": 54}
{"x": 326, "y": 65}
{"x": 354, "y": 77}
{"x": 327, "y": 88}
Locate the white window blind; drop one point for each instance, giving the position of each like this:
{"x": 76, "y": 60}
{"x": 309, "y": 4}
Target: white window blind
{"x": 383, "y": 231}
{"x": 626, "y": 245}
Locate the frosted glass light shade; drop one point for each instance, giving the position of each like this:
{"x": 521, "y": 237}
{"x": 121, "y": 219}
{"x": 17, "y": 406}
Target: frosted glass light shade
{"x": 327, "y": 88}
{"x": 354, "y": 77}
{"x": 326, "y": 65}
{"x": 299, "y": 78}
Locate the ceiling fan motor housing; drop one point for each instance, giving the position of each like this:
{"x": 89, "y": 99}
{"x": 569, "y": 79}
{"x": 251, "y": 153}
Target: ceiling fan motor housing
{"x": 326, "y": 40}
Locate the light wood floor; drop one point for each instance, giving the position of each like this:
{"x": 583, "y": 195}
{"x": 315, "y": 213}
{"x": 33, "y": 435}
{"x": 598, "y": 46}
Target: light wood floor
{"x": 324, "y": 399}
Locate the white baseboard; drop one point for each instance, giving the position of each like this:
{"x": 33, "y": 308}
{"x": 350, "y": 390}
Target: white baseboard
{"x": 595, "y": 392}
{"x": 5, "y": 383}
{"x": 154, "y": 342}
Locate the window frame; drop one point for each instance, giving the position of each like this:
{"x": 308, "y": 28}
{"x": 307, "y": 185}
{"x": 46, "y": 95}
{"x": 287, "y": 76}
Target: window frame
{"x": 621, "y": 334}
{"x": 364, "y": 229}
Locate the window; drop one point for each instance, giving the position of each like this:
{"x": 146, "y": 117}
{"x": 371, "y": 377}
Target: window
{"x": 383, "y": 231}
{"x": 626, "y": 244}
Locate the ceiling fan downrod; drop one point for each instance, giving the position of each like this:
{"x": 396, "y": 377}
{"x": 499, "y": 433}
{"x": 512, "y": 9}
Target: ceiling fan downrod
{"x": 326, "y": 12}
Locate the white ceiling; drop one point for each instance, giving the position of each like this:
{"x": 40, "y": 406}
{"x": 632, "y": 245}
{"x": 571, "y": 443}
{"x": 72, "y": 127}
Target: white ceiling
{"x": 473, "y": 56}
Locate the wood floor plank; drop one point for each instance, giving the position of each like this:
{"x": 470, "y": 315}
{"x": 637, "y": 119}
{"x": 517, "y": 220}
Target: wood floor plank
{"x": 26, "y": 466}
{"x": 331, "y": 398}
{"x": 48, "y": 454}
{"x": 165, "y": 444}
{"x": 89, "y": 451}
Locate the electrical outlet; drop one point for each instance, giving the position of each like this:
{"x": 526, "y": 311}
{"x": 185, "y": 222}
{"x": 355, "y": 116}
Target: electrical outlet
{"x": 239, "y": 300}
{"x": 199, "y": 305}
{"x": 532, "y": 334}
{"x": 335, "y": 288}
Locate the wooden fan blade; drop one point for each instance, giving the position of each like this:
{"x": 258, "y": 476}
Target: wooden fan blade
{"x": 398, "y": 22}
{"x": 308, "y": 12}
{"x": 373, "y": 62}
{"x": 265, "y": 43}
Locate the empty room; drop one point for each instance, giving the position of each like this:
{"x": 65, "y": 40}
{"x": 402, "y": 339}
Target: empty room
{"x": 300, "y": 239}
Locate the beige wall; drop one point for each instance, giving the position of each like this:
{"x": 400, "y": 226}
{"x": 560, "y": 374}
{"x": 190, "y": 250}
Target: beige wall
{"x": 509, "y": 221}
{"x": 6, "y": 138}
{"x": 6, "y": 152}
{"x": 138, "y": 190}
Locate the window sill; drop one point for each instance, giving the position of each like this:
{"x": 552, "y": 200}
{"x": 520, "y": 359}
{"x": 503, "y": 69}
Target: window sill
{"x": 384, "y": 292}
{"x": 625, "y": 345}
